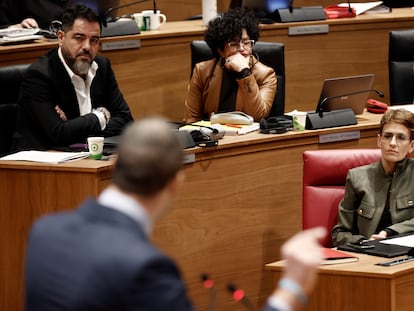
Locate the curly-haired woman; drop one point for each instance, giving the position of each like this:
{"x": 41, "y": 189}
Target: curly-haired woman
{"x": 235, "y": 80}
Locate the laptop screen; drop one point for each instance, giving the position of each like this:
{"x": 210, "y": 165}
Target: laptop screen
{"x": 341, "y": 90}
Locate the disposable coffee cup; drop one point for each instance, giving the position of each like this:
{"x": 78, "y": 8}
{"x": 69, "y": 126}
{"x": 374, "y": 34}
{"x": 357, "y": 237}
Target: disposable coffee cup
{"x": 156, "y": 20}
{"x": 95, "y": 145}
{"x": 139, "y": 18}
{"x": 299, "y": 120}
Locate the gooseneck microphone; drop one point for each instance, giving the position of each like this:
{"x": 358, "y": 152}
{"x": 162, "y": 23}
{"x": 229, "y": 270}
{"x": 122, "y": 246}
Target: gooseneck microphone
{"x": 290, "y": 6}
{"x": 349, "y": 6}
{"x": 106, "y": 18}
{"x": 239, "y": 295}
{"x": 113, "y": 27}
{"x": 209, "y": 284}
{"x": 320, "y": 107}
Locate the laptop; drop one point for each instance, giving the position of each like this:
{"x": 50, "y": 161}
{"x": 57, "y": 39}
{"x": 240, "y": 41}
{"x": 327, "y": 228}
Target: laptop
{"x": 340, "y": 87}
{"x": 379, "y": 249}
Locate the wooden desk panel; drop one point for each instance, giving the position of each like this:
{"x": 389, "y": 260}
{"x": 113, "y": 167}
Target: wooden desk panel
{"x": 154, "y": 78}
{"x": 29, "y": 190}
{"x": 239, "y": 203}
{"x": 360, "y": 286}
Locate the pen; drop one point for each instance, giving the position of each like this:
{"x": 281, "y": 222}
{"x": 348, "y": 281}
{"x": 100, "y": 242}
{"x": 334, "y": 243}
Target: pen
{"x": 235, "y": 125}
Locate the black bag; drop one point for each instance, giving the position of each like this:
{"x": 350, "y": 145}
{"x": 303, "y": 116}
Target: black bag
{"x": 276, "y": 125}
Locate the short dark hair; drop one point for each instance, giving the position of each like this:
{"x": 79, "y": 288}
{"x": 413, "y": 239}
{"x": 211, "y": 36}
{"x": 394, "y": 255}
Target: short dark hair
{"x": 228, "y": 26}
{"x": 78, "y": 11}
{"x": 149, "y": 156}
{"x": 400, "y": 116}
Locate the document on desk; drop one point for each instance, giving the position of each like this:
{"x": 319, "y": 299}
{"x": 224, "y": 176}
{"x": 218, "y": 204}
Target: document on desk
{"x": 361, "y": 7}
{"x": 45, "y": 156}
{"x": 229, "y": 129}
{"x": 410, "y": 108}
{"x": 407, "y": 241}
{"x": 18, "y": 35}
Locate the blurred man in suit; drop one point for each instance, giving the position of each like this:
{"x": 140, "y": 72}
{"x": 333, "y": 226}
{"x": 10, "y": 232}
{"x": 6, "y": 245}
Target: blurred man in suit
{"x": 100, "y": 257}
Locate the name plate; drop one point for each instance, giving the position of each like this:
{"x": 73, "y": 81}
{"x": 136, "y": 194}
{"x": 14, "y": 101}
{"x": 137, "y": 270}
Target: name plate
{"x": 189, "y": 158}
{"x": 333, "y": 137}
{"x": 121, "y": 45}
{"x": 307, "y": 30}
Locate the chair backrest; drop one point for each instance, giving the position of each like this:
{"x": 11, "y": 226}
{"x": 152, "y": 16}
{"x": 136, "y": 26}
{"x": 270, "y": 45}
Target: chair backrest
{"x": 324, "y": 176}
{"x": 10, "y": 81}
{"x": 401, "y": 66}
{"x": 271, "y": 54}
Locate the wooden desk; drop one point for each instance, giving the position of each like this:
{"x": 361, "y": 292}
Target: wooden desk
{"x": 360, "y": 286}
{"x": 239, "y": 203}
{"x": 154, "y": 78}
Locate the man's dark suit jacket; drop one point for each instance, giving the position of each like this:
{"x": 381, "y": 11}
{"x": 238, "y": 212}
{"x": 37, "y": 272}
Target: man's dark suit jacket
{"x": 46, "y": 84}
{"x": 96, "y": 258}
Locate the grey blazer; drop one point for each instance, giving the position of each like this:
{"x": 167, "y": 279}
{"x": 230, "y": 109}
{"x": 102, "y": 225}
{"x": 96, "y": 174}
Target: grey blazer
{"x": 365, "y": 196}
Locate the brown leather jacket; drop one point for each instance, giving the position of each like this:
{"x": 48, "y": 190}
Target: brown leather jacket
{"x": 255, "y": 94}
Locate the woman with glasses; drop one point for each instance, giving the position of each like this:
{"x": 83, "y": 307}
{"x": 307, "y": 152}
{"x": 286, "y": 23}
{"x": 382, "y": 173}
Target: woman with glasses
{"x": 235, "y": 80}
{"x": 379, "y": 197}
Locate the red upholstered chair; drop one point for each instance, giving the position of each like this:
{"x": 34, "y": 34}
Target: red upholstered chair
{"x": 324, "y": 176}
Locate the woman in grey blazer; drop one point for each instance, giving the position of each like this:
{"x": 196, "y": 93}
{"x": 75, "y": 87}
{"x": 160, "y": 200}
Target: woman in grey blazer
{"x": 379, "y": 197}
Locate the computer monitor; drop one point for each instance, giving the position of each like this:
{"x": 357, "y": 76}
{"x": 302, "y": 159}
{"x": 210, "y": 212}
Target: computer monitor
{"x": 99, "y": 6}
{"x": 346, "y": 92}
{"x": 263, "y": 9}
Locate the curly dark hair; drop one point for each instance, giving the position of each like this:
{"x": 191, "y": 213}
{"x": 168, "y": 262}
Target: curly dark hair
{"x": 228, "y": 26}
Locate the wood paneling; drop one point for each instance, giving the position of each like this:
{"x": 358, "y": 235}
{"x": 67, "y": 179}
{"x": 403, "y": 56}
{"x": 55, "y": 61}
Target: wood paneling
{"x": 239, "y": 203}
{"x": 360, "y": 286}
{"x": 154, "y": 78}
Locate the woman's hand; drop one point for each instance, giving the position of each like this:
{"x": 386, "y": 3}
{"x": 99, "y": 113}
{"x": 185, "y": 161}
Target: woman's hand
{"x": 236, "y": 62}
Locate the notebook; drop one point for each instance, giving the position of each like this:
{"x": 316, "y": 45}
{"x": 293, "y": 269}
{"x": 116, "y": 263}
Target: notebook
{"x": 345, "y": 85}
{"x": 380, "y": 249}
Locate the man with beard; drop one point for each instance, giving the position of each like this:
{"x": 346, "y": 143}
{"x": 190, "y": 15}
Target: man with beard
{"x": 70, "y": 93}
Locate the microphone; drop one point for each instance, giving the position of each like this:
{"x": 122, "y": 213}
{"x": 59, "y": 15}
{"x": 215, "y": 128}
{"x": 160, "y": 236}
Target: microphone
{"x": 319, "y": 109}
{"x": 209, "y": 284}
{"x": 321, "y": 119}
{"x": 155, "y": 7}
{"x": 115, "y": 27}
{"x": 290, "y": 6}
{"x": 239, "y": 295}
{"x": 349, "y": 6}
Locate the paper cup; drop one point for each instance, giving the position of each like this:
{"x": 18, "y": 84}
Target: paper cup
{"x": 156, "y": 19}
{"x": 95, "y": 145}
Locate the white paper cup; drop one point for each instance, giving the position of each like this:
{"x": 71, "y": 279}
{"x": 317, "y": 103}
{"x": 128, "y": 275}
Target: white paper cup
{"x": 156, "y": 19}
{"x": 95, "y": 145}
{"x": 300, "y": 123}
{"x": 139, "y": 19}
{"x": 299, "y": 119}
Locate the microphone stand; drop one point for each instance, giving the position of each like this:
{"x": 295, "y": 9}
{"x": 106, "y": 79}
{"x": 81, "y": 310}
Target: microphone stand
{"x": 116, "y": 27}
{"x": 341, "y": 117}
{"x": 321, "y": 104}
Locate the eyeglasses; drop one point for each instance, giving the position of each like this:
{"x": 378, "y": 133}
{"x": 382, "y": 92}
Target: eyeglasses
{"x": 399, "y": 138}
{"x": 245, "y": 43}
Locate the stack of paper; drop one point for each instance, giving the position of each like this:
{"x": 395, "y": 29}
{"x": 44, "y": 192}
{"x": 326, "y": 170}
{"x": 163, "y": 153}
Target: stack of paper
{"x": 362, "y": 7}
{"x": 45, "y": 156}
